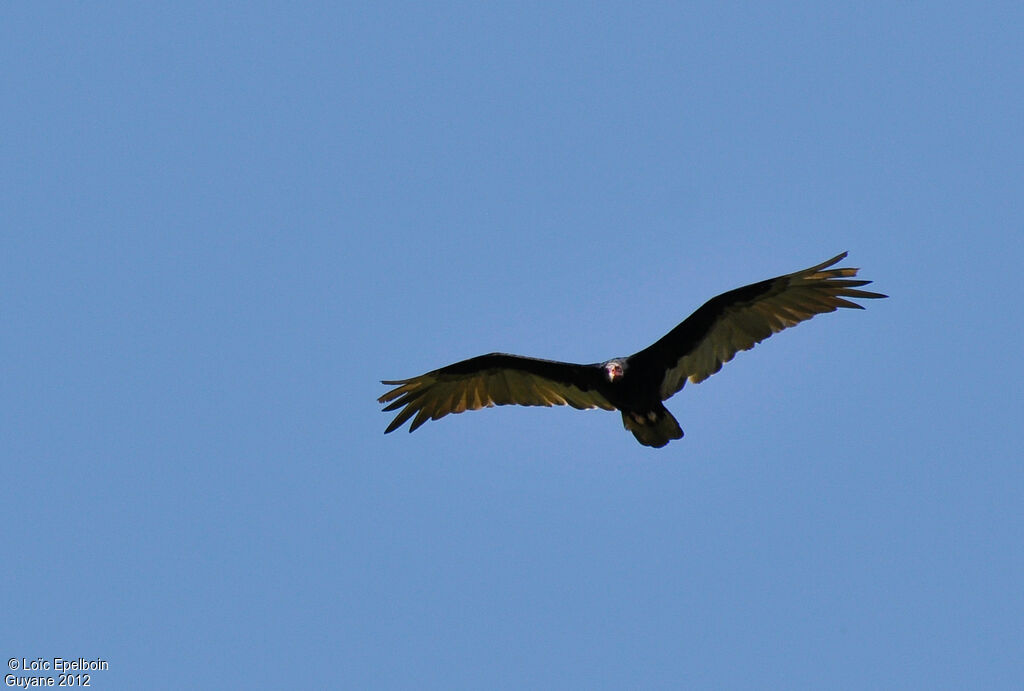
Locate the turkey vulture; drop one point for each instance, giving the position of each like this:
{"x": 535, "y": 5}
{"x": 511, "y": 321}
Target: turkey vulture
{"x": 635, "y": 385}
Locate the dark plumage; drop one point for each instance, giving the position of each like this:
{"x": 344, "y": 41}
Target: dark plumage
{"x": 635, "y": 385}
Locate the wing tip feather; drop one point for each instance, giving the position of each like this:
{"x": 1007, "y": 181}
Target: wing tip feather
{"x": 825, "y": 264}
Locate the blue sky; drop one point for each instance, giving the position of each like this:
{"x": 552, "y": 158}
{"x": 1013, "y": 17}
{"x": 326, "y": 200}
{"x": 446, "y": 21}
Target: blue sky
{"x": 224, "y": 224}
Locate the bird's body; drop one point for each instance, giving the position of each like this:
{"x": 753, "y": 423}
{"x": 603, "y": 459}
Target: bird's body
{"x": 638, "y": 384}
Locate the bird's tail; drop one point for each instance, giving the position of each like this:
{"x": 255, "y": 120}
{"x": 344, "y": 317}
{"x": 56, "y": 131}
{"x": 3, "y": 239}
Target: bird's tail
{"x": 654, "y": 428}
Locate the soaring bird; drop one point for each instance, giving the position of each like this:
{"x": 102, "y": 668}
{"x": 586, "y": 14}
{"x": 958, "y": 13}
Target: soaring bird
{"x": 635, "y": 385}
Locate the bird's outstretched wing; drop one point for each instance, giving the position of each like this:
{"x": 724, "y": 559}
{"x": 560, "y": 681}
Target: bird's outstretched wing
{"x": 741, "y": 318}
{"x": 489, "y": 380}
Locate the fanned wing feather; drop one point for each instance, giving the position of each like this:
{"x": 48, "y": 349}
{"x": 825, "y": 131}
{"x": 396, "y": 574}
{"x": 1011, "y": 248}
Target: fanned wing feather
{"x": 489, "y": 380}
{"x": 741, "y": 318}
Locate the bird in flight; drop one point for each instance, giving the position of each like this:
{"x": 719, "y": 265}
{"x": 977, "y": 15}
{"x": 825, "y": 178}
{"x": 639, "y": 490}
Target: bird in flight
{"x": 634, "y": 385}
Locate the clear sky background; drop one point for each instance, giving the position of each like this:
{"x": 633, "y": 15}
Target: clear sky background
{"x": 223, "y": 224}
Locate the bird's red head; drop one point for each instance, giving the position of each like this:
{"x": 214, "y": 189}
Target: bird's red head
{"x": 613, "y": 370}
